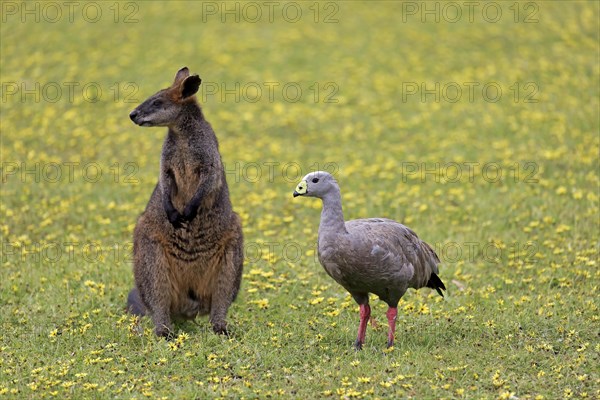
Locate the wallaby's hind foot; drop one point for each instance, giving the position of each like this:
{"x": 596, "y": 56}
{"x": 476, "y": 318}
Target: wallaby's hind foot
{"x": 218, "y": 312}
{"x": 163, "y": 326}
{"x": 134, "y": 303}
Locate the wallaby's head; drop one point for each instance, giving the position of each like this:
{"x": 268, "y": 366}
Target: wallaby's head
{"x": 164, "y": 107}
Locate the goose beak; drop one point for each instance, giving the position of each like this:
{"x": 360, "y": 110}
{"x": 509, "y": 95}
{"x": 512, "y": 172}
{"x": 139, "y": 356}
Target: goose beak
{"x": 301, "y": 189}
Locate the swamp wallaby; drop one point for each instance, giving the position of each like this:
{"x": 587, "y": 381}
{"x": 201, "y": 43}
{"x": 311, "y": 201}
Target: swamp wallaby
{"x": 188, "y": 244}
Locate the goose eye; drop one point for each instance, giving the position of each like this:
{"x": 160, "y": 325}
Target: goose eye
{"x": 315, "y": 180}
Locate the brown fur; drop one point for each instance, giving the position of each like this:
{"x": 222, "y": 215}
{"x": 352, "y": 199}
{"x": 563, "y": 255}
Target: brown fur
{"x": 188, "y": 244}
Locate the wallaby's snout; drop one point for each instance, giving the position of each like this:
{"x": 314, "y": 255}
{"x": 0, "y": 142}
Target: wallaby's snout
{"x": 165, "y": 107}
{"x": 158, "y": 110}
{"x": 133, "y": 115}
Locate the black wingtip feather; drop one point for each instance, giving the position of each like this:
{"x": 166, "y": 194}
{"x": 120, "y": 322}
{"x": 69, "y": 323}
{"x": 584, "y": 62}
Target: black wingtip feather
{"x": 436, "y": 283}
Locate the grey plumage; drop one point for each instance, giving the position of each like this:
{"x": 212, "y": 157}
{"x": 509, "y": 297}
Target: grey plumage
{"x": 378, "y": 256}
{"x": 374, "y": 255}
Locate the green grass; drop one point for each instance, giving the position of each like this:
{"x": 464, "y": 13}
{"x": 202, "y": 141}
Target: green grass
{"x": 521, "y": 312}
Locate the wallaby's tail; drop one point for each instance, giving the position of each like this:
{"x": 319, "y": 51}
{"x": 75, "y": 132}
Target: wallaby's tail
{"x": 134, "y": 303}
{"x": 436, "y": 283}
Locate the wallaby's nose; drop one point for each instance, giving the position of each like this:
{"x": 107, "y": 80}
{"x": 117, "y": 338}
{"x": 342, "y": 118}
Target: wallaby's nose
{"x": 132, "y": 115}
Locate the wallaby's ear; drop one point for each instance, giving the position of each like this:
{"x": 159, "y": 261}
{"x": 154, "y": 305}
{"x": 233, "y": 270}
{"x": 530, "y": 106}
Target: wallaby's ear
{"x": 181, "y": 75}
{"x": 190, "y": 86}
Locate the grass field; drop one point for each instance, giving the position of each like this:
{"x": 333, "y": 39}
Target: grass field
{"x": 477, "y": 128}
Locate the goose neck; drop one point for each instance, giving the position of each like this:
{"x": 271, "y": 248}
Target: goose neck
{"x": 332, "y": 215}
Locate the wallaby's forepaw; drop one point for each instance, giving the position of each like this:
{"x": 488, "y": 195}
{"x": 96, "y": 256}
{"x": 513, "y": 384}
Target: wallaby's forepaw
{"x": 165, "y": 332}
{"x": 220, "y": 329}
{"x": 176, "y": 219}
{"x": 190, "y": 213}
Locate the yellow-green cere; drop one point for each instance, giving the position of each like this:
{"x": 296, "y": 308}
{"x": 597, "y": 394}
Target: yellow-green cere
{"x": 301, "y": 188}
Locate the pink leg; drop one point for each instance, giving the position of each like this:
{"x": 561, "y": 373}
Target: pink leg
{"x": 365, "y": 314}
{"x": 391, "y": 316}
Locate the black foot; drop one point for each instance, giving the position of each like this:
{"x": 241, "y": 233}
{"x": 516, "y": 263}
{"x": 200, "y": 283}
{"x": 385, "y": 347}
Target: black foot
{"x": 166, "y": 333}
{"x": 221, "y": 330}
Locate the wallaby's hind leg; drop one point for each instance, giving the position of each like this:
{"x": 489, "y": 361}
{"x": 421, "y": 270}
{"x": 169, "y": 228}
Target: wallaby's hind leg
{"x": 228, "y": 284}
{"x": 237, "y": 251}
{"x": 150, "y": 270}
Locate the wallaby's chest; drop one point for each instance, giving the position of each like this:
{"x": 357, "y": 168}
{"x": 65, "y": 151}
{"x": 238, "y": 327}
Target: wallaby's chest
{"x": 187, "y": 165}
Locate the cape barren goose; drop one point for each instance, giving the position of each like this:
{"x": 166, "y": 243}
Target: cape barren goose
{"x": 374, "y": 255}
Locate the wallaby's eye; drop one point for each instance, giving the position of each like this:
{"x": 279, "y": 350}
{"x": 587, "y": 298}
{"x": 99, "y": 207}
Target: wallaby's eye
{"x": 315, "y": 180}
{"x": 157, "y": 102}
